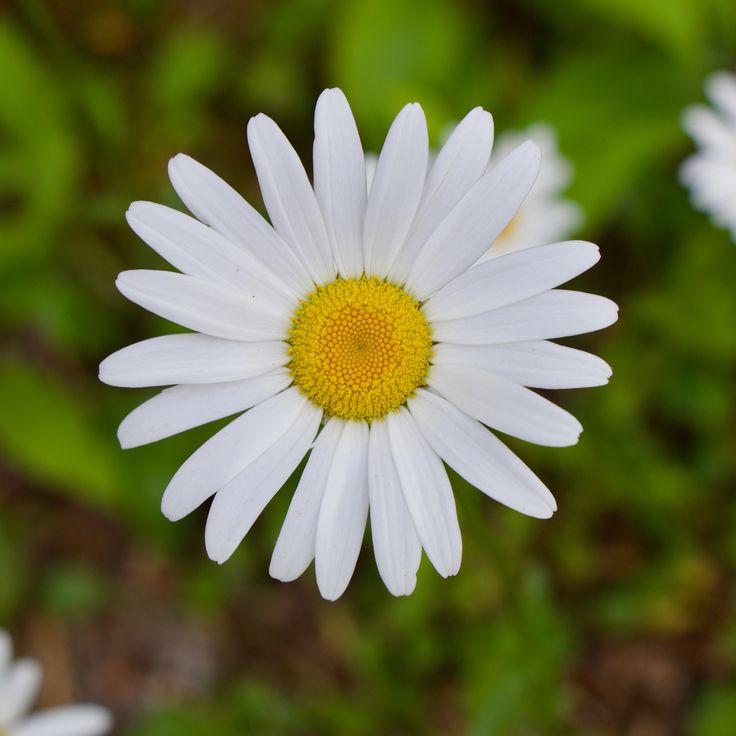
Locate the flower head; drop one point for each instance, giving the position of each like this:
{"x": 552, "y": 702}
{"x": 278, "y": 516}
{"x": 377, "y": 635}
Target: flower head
{"x": 19, "y": 685}
{"x": 357, "y": 328}
{"x": 710, "y": 173}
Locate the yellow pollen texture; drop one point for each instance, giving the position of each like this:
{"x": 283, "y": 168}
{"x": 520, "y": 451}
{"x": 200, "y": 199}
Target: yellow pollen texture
{"x": 359, "y": 347}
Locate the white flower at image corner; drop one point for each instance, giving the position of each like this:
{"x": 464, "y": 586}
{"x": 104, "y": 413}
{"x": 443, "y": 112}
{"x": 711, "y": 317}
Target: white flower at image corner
{"x": 356, "y": 329}
{"x": 545, "y": 216}
{"x": 710, "y": 173}
{"x": 20, "y": 682}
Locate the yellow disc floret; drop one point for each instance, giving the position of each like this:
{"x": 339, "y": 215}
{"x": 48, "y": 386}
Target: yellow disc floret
{"x": 359, "y": 347}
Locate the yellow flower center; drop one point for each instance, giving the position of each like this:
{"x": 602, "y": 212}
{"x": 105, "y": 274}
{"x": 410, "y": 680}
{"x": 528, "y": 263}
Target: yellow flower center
{"x": 359, "y": 347}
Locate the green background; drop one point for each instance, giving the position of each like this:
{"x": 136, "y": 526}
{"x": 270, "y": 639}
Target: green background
{"x": 614, "y": 617}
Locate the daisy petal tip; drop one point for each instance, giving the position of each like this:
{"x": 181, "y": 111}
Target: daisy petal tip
{"x": 169, "y": 508}
{"x": 334, "y": 93}
{"x": 530, "y": 148}
{"x": 330, "y": 593}
{"x": 613, "y": 310}
{"x": 104, "y": 374}
{"x": 133, "y": 209}
{"x": 546, "y": 511}
{"x": 175, "y": 165}
{"x": 402, "y": 588}
{"x": 125, "y": 438}
{"x": 277, "y": 573}
{"x": 217, "y": 554}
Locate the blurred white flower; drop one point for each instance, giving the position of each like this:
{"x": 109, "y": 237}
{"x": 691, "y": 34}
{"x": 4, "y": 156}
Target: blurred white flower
{"x": 19, "y": 685}
{"x": 363, "y": 312}
{"x": 710, "y": 173}
{"x": 545, "y": 216}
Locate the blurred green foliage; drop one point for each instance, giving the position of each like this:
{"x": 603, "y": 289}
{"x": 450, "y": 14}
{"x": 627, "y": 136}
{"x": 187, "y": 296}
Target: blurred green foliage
{"x": 615, "y": 617}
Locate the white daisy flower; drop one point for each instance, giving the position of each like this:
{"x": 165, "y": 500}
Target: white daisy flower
{"x": 710, "y": 173}
{"x": 20, "y": 682}
{"x": 357, "y": 327}
{"x": 545, "y": 216}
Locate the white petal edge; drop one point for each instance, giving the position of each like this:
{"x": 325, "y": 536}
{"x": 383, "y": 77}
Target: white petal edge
{"x": 190, "y": 358}
{"x": 511, "y": 278}
{"x": 229, "y": 451}
{"x": 180, "y": 408}
{"x": 396, "y": 545}
{"x": 427, "y": 493}
{"x": 236, "y": 506}
{"x": 69, "y": 720}
{"x": 505, "y": 406}
{"x": 396, "y": 189}
{"x": 197, "y": 250}
{"x": 340, "y": 180}
{"x": 294, "y": 549}
{"x": 459, "y": 164}
{"x": 554, "y": 313}
{"x": 19, "y": 686}
{"x": 720, "y": 87}
{"x": 475, "y": 221}
{"x": 289, "y": 197}
{"x": 343, "y": 513}
{"x": 6, "y": 650}
{"x": 535, "y": 364}
{"x": 218, "y": 205}
{"x": 202, "y": 306}
{"x": 477, "y": 455}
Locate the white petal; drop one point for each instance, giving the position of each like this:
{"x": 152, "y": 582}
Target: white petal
{"x": 396, "y": 189}
{"x": 427, "y": 493}
{"x": 237, "y": 506}
{"x": 721, "y": 90}
{"x": 200, "y": 251}
{"x": 190, "y": 358}
{"x": 217, "y": 204}
{"x": 707, "y": 128}
{"x": 343, "y": 513}
{"x": 395, "y": 542}
{"x": 6, "y": 650}
{"x": 294, "y": 548}
{"x": 459, "y": 164}
{"x": 202, "y": 306}
{"x": 475, "y": 221}
{"x": 182, "y": 407}
{"x": 225, "y": 454}
{"x": 510, "y": 278}
{"x": 478, "y": 456}
{"x": 505, "y": 405}
{"x": 371, "y": 159}
{"x": 536, "y": 364}
{"x": 555, "y": 313}
{"x": 340, "y": 180}
{"x": 289, "y": 197}
{"x": 70, "y": 720}
{"x": 19, "y": 686}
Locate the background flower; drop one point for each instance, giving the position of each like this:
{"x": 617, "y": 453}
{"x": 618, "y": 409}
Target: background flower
{"x": 20, "y": 682}
{"x": 545, "y": 216}
{"x": 612, "y": 619}
{"x": 710, "y": 173}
